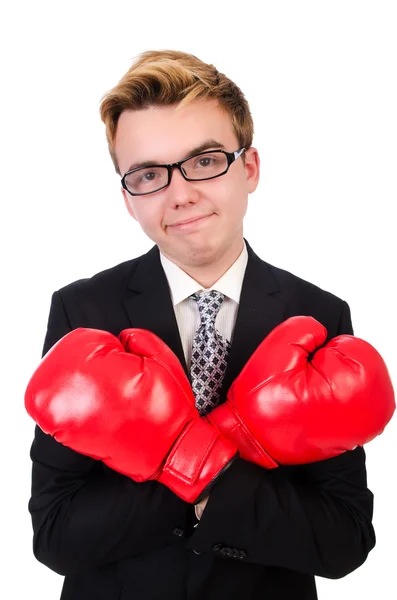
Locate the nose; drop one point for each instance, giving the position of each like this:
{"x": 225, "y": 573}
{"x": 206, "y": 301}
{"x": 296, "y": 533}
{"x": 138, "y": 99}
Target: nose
{"x": 180, "y": 191}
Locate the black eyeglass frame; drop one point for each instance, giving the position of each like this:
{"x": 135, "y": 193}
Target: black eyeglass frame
{"x": 230, "y": 156}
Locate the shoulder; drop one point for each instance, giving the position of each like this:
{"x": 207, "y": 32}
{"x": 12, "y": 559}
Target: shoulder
{"x": 98, "y": 301}
{"x": 305, "y": 298}
{"x": 289, "y": 283}
{"x": 299, "y": 296}
{"x": 108, "y": 281}
{"x": 279, "y": 281}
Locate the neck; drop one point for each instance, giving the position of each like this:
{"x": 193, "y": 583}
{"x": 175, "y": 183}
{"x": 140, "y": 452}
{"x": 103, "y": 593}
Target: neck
{"x": 207, "y": 273}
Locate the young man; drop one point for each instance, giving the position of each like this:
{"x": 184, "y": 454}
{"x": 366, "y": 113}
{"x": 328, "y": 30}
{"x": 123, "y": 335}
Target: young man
{"x": 180, "y": 136}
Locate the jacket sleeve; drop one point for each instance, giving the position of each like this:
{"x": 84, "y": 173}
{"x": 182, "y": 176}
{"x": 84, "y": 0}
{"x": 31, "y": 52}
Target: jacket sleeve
{"x": 314, "y": 519}
{"x": 84, "y": 514}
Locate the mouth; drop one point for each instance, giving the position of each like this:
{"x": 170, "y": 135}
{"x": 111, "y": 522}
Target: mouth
{"x": 192, "y": 223}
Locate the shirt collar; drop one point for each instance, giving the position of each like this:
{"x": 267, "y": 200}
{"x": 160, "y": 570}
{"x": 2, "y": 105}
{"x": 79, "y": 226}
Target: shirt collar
{"x": 182, "y": 285}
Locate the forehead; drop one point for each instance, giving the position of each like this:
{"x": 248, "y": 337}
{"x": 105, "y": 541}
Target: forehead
{"x": 168, "y": 133}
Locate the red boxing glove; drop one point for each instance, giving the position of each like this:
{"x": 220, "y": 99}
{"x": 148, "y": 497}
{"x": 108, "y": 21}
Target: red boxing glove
{"x": 127, "y": 401}
{"x": 297, "y": 401}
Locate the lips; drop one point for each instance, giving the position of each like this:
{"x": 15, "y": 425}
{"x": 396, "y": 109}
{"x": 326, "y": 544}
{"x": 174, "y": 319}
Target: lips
{"x": 192, "y": 220}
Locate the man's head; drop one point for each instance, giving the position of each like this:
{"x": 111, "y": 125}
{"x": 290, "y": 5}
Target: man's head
{"x": 167, "y": 107}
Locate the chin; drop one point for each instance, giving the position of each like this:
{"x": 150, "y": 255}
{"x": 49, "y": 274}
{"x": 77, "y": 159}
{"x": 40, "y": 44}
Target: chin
{"x": 205, "y": 253}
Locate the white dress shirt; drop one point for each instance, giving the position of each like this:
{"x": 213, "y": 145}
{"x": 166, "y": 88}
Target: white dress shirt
{"x": 187, "y": 315}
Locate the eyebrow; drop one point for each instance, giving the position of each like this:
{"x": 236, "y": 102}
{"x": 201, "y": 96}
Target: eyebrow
{"x": 201, "y": 148}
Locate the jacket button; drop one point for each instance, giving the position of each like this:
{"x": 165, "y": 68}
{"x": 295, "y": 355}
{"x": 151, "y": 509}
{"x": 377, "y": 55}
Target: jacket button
{"x": 226, "y": 551}
{"x": 242, "y": 554}
{"x": 217, "y": 547}
{"x": 178, "y": 532}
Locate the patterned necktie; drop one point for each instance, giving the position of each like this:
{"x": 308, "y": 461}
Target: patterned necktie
{"x": 210, "y": 352}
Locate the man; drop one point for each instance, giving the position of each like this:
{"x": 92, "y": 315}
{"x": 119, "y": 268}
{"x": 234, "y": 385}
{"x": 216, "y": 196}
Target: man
{"x": 180, "y": 136}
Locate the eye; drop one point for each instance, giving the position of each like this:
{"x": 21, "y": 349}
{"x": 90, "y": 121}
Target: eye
{"x": 149, "y": 176}
{"x": 206, "y": 161}
{"x": 143, "y": 180}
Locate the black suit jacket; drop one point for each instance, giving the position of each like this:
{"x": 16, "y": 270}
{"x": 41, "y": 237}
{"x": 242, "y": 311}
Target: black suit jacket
{"x": 264, "y": 534}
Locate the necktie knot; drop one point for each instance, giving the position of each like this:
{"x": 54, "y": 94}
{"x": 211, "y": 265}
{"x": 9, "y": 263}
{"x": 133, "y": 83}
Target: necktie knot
{"x": 208, "y": 304}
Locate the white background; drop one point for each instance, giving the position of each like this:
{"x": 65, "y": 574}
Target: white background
{"x": 320, "y": 77}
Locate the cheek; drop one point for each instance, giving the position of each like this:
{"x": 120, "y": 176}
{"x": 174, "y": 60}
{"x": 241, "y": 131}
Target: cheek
{"x": 148, "y": 217}
{"x": 139, "y": 209}
{"x": 143, "y": 218}
{"x": 236, "y": 198}
{"x": 226, "y": 193}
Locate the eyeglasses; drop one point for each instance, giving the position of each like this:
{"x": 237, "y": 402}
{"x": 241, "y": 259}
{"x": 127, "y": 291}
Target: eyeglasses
{"x": 199, "y": 167}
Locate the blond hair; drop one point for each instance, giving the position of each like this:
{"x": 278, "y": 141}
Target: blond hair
{"x": 165, "y": 77}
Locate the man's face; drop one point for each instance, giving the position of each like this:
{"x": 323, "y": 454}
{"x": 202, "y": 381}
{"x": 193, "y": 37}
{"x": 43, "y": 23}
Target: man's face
{"x": 164, "y": 135}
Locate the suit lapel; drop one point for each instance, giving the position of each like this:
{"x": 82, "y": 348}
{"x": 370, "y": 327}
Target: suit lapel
{"x": 260, "y": 310}
{"x": 149, "y": 305}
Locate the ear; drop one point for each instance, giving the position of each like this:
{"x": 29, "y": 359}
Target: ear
{"x": 252, "y": 168}
{"x": 128, "y": 203}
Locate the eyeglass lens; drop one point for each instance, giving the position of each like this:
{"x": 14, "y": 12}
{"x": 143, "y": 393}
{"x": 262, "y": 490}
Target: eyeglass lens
{"x": 203, "y": 166}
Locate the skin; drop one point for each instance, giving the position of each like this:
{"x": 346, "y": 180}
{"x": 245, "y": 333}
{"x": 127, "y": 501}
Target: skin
{"x": 207, "y": 248}
{"x": 200, "y": 507}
